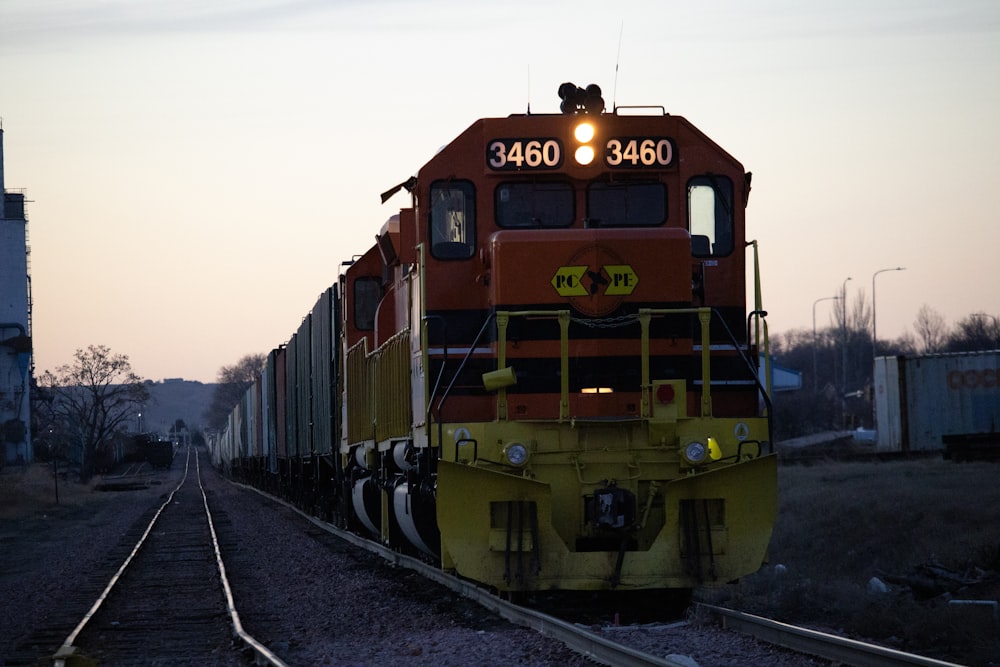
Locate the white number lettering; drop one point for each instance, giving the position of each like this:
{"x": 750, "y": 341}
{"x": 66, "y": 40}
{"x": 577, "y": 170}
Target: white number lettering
{"x": 515, "y": 154}
{"x": 630, "y": 153}
{"x": 664, "y": 151}
{"x": 533, "y": 153}
{"x": 550, "y": 153}
{"x": 614, "y": 152}
{"x": 499, "y": 157}
{"x": 639, "y": 152}
{"x": 647, "y": 152}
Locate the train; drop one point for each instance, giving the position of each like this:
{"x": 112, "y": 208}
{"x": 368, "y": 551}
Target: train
{"x": 546, "y": 372}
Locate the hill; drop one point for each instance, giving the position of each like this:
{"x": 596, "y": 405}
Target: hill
{"x": 173, "y": 399}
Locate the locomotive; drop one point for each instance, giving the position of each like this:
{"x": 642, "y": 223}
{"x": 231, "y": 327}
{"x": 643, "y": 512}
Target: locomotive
{"x": 544, "y": 374}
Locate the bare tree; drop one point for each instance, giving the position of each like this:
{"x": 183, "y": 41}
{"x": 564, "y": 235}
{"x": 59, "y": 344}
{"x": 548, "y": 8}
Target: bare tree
{"x": 233, "y": 382}
{"x": 931, "y": 329}
{"x": 978, "y": 331}
{"x": 92, "y": 399}
{"x": 860, "y": 317}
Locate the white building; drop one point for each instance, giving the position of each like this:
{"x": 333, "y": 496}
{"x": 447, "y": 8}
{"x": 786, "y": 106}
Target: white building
{"x": 15, "y": 327}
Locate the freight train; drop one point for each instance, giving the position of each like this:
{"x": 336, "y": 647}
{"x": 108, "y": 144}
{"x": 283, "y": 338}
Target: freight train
{"x": 544, "y": 374}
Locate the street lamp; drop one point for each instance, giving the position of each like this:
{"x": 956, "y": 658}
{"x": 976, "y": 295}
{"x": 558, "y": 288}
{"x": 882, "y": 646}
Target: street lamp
{"x": 825, "y": 298}
{"x": 843, "y": 377}
{"x": 843, "y": 331}
{"x": 874, "y": 337}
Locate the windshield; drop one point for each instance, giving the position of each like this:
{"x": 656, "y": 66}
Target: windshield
{"x": 626, "y": 204}
{"x": 534, "y": 205}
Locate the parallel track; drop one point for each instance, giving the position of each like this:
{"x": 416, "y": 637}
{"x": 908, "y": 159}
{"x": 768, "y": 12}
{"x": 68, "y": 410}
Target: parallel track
{"x": 170, "y": 601}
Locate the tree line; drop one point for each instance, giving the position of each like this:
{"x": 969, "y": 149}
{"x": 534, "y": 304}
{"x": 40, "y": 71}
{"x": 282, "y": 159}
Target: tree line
{"x": 84, "y": 411}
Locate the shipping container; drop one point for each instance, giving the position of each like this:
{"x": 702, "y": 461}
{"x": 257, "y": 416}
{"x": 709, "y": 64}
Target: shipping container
{"x": 322, "y": 370}
{"x": 269, "y": 431}
{"x": 304, "y": 389}
{"x": 921, "y": 401}
{"x": 281, "y": 403}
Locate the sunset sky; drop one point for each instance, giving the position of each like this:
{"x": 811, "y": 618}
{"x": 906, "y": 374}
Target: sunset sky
{"x": 197, "y": 171}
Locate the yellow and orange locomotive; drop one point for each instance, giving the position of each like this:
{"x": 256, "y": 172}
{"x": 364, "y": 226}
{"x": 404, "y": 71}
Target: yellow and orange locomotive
{"x": 544, "y": 374}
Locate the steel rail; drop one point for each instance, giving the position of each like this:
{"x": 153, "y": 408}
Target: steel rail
{"x": 821, "y": 644}
{"x": 67, "y": 651}
{"x": 803, "y": 640}
{"x": 260, "y": 651}
{"x": 576, "y": 638}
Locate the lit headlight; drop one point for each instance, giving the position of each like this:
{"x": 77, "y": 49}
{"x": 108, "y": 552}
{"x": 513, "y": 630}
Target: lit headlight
{"x": 695, "y": 452}
{"x": 516, "y": 454}
{"x": 584, "y": 132}
{"x": 584, "y": 155}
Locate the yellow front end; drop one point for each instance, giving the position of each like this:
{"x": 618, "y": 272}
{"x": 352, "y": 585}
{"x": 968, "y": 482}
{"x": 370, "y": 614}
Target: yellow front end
{"x": 599, "y": 506}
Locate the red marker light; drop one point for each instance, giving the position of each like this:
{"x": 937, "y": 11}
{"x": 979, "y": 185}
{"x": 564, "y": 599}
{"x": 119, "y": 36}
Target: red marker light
{"x": 665, "y": 393}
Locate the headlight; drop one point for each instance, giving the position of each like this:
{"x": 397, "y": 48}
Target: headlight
{"x": 584, "y": 155}
{"x": 516, "y": 454}
{"x": 695, "y": 452}
{"x": 584, "y": 132}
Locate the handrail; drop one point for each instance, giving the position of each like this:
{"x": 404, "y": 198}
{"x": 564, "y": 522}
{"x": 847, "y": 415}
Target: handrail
{"x": 454, "y": 377}
{"x": 503, "y": 317}
{"x": 705, "y": 315}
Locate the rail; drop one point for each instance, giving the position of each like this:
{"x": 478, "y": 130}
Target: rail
{"x": 840, "y": 650}
{"x": 67, "y": 652}
{"x": 581, "y": 640}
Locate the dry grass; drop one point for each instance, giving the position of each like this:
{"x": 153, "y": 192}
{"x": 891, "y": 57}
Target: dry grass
{"x": 29, "y": 490}
{"x": 840, "y": 524}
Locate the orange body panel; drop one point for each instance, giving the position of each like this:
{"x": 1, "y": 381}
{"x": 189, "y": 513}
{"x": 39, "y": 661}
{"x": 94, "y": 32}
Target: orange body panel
{"x": 594, "y": 270}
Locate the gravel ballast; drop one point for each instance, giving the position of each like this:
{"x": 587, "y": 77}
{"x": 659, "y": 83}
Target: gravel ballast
{"x": 308, "y": 595}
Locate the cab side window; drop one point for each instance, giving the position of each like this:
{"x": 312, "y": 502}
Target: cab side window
{"x": 453, "y": 219}
{"x": 710, "y": 215}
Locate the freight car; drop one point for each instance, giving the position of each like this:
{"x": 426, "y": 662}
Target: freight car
{"x": 543, "y": 374}
{"x": 147, "y": 448}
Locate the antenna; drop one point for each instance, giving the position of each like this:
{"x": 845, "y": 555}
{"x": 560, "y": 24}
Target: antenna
{"x": 529, "y": 89}
{"x": 618, "y": 57}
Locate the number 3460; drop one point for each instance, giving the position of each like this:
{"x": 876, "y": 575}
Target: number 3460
{"x": 639, "y": 152}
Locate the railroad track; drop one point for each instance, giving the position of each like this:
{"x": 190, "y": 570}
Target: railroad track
{"x": 169, "y": 602}
{"x": 840, "y": 650}
{"x": 605, "y": 650}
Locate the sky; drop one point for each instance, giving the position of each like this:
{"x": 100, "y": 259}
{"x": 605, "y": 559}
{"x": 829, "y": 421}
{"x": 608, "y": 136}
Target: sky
{"x": 197, "y": 171}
